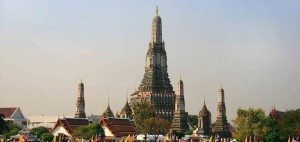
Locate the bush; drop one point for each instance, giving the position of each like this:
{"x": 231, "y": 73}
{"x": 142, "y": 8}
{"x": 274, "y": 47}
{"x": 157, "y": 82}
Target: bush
{"x": 47, "y": 137}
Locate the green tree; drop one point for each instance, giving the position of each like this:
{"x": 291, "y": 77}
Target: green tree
{"x": 39, "y": 131}
{"x": 47, "y": 137}
{"x": 13, "y": 129}
{"x": 89, "y": 131}
{"x": 250, "y": 122}
{"x": 3, "y": 124}
{"x": 188, "y": 132}
{"x": 156, "y": 126}
{"x": 273, "y": 130}
{"x": 193, "y": 120}
{"x": 289, "y": 125}
{"x": 142, "y": 111}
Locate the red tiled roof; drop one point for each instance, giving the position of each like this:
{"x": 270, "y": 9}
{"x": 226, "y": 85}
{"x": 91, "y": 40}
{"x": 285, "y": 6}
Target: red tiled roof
{"x": 123, "y": 128}
{"x": 77, "y": 121}
{"x": 70, "y": 124}
{"x": 8, "y": 112}
{"x": 119, "y": 127}
{"x": 112, "y": 121}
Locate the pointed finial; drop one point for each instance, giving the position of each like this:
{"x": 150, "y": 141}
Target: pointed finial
{"x": 81, "y": 80}
{"x": 108, "y": 100}
{"x": 204, "y": 98}
{"x": 180, "y": 76}
{"x": 127, "y": 96}
{"x": 127, "y": 99}
{"x": 156, "y": 10}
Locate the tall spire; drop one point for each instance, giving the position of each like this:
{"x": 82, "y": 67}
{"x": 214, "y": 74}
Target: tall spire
{"x": 179, "y": 122}
{"x": 156, "y": 82}
{"x": 221, "y": 125}
{"x": 156, "y": 28}
{"x": 108, "y": 112}
{"x": 156, "y": 78}
{"x": 80, "y": 105}
{"x": 204, "y": 108}
{"x": 180, "y": 90}
{"x": 179, "y": 103}
{"x": 204, "y": 120}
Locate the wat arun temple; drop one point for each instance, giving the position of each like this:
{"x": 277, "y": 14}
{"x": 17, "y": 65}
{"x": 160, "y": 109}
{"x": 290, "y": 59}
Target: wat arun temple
{"x": 157, "y": 89}
{"x": 156, "y": 86}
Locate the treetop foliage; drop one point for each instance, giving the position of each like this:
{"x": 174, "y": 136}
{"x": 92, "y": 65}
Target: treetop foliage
{"x": 141, "y": 111}
{"x": 89, "y": 131}
{"x": 253, "y": 122}
{"x": 193, "y": 120}
{"x": 39, "y": 131}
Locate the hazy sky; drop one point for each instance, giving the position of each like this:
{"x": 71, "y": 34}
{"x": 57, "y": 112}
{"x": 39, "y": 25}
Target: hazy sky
{"x": 251, "y": 48}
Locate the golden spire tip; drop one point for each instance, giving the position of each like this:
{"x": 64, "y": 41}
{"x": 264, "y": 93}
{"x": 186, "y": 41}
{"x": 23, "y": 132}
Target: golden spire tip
{"x": 180, "y": 76}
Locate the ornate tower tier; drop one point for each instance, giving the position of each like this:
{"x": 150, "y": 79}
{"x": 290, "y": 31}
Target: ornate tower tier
{"x": 179, "y": 122}
{"x": 126, "y": 112}
{"x": 156, "y": 78}
{"x": 108, "y": 112}
{"x": 156, "y": 86}
{"x": 204, "y": 121}
{"x": 80, "y": 105}
{"x": 221, "y": 126}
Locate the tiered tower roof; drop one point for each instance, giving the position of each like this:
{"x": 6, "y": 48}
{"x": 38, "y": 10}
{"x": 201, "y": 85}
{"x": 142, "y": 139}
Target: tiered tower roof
{"x": 221, "y": 126}
{"x": 80, "y": 105}
{"x": 179, "y": 122}
{"x": 204, "y": 121}
{"x": 126, "y": 109}
{"x": 156, "y": 86}
{"x": 108, "y": 112}
{"x": 156, "y": 78}
{"x": 204, "y": 111}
